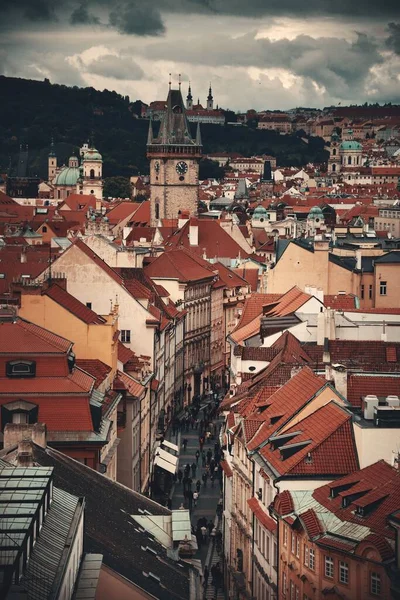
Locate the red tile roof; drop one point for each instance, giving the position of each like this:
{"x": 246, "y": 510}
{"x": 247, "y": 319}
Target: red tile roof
{"x": 77, "y": 382}
{"x": 73, "y": 305}
{"x": 287, "y": 304}
{"x": 127, "y": 382}
{"x": 124, "y": 354}
{"x": 226, "y": 468}
{"x": 330, "y": 448}
{"x": 253, "y": 307}
{"x": 95, "y": 367}
{"x": 292, "y": 396}
{"x": 212, "y": 239}
{"x": 261, "y": 516}
{"x": 79, "y": 202}
{"x": 311, "y": 523}
{"x": 119, "y": 211}
{"x": 73, "y": 415}
{"x": 249, "y": 275}
{"x": 379, "y": 488}
{"x": 23, "y": 337}
{"x": 179, "y": 264}
{"x": 359, "y": 386}
{"x": 340, "y": 301}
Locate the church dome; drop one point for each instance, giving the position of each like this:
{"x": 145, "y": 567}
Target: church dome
{"x": 350, "y": 145}
{"x": 92, "y": 154}
{"x": 259, "y": 212}
{"x": 67, "y": 176}
{"x": 315, "y": 213}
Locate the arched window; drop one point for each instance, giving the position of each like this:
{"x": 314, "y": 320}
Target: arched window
{"x": 349, "y": 160}
{"x": 157, "y": 210}
{"x": 333, "y": 167}
{"x": 91, "y": 173}
{"x": 334, "y": 152}
{"x": 44, "y": 229}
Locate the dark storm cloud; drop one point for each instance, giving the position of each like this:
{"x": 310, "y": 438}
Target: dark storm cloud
{"x": 393, "y": 41}
{"x": 81, "y": 16}
{"x": 335, "y": 63}
{"x": 136, "y": 17}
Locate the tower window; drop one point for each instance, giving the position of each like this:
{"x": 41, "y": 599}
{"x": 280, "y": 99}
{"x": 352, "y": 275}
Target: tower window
{"x": 91, "y": 173}
{"x": 157, "y": 210}
{"x": 334, "y": 152}
{"x": 333, "y": 167}
{"x": 349, "y": 160}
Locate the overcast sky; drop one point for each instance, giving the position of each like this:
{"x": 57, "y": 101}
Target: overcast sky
{"x": 257, "y": 53}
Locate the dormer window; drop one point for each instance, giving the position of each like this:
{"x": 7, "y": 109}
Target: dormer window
{"x": 21, "y": 368}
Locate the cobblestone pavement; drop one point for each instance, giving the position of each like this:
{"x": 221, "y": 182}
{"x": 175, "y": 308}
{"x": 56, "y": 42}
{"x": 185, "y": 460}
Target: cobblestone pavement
{"x": 208, "y": 498}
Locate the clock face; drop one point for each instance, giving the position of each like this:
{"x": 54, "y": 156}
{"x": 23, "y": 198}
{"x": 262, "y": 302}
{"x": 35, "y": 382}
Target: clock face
{"x": 181, "y": 167}
{"x": 157, "y": 166}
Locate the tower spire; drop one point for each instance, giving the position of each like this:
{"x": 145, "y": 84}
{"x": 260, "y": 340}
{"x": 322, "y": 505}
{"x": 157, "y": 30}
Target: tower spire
{"x": 179, "y": 81}
{"x": 198, "y": 135}
{"x": 150, "y": 133}
{"x": 169, "y": 83}
{"x": 210, "y": 99}
{"x": 189, "y": 98}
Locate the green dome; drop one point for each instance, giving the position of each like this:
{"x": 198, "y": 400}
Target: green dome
{"x": 259, "y": 211}
{"x": 92, "y": 154}
{"x": 315, "y": 213}
{"x": 350, "y": 145}
{"x": 68, "y": 176}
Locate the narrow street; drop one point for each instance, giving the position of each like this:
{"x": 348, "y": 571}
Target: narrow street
{"x": 209, "y": 496}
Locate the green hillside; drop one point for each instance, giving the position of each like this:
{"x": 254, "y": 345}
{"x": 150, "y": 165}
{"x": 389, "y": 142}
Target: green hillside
{"x": 34, "y": 112}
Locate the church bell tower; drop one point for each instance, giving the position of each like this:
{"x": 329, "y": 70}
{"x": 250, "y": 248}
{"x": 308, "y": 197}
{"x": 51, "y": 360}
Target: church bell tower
{"x": 174, "y": 163}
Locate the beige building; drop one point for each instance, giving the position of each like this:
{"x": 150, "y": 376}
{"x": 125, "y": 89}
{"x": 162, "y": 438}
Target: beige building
{"x": 388, "y": 219}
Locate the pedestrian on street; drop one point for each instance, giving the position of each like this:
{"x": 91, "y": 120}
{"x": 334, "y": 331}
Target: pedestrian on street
{"x": 209, "y": 456}
{"x": 203, "y": 459}
{"x": 197, "y": 457}
{"x": 204, "y": 534}
{"x": 204, "y": 478}
{"x": 206, "y": 576}
{"x": 210, "y": 526}
{"x": 169, "y": 503}
{"x": 180, "y": 475}
{"x": 198, "y": 485}
{"x": 181, "y": 506}
{"x": 184, "y": 443}
{"x": 199, "y": 537}
{"x": 190, "y": 499}
{"x": 201, "y": 442}
{"x": 212, "y": 479}
{"x": 194, "y": 467}
{"x": 195, "y": 498}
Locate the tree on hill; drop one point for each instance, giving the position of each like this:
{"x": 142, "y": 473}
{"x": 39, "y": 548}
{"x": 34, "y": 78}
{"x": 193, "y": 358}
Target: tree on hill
{"x": 117, "y": 187}
{"x": 210, "y": 169}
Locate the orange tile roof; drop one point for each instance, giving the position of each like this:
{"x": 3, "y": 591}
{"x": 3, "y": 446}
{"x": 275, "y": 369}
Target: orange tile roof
{"x": 124, "y": 354}
{"x": 288, "y": 303}
{"x": 73, "y": 415}
{"x": 253, "y": 307}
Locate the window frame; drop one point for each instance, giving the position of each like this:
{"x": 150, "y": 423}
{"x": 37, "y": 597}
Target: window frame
{"x": 376, "y": 579}
{"x": 343, "y": 567}
{"x": 383, "y": 288}
{"x": 126, "y": 336}
{"x": 311, "y": 559}
{"x": 328, "y": 560}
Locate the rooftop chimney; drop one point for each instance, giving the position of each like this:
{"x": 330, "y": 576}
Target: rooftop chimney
{"x": 193, "y": 234}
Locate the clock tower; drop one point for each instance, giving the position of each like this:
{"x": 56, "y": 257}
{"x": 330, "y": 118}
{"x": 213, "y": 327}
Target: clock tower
{"x": 174, "y": 163}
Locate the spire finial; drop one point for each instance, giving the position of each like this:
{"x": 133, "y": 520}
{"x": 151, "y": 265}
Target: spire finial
{"x": 169, "y": 83}
{"x": 179, "y": 80}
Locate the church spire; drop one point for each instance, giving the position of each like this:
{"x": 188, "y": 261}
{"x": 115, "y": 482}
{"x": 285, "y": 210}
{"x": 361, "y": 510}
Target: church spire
{"x": 198, "y": 136}
{"x": 189, "y": 99}
{"x": 210, "y": 99}
{"x": 150, "y": 133}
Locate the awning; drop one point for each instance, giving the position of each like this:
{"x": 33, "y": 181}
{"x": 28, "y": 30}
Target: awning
{"x": 167, "y": 456}
{"x": 168, "y": 444}
{"x": 163, "y": 464}
{"x": 181, "y": 527}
